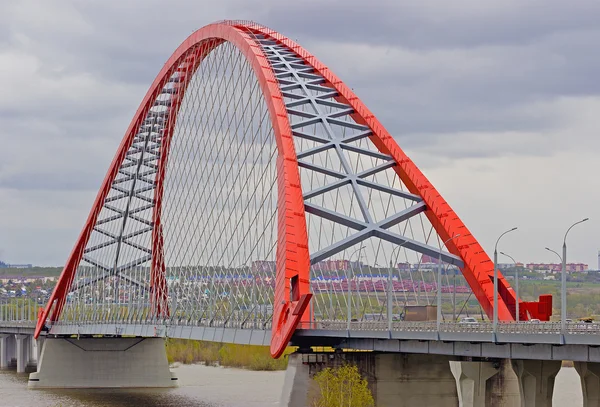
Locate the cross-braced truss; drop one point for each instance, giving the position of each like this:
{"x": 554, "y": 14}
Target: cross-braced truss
{"x": 308, "y": 97}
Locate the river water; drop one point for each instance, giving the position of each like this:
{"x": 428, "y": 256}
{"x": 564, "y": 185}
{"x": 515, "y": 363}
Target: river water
{"x": 203, "y": 387}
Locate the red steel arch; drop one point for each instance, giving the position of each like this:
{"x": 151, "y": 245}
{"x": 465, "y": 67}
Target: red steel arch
{"x": 292, "y": 256}
{"x": 478, "y": 268}
{"x": 292, "y": 246}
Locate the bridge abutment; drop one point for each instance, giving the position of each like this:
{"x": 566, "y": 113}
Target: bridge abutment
{"x": 297, "y": 382}
{"x": 102, "y": 363}
{"x": 536, "y": 381}
{"x": 589, "y": 374}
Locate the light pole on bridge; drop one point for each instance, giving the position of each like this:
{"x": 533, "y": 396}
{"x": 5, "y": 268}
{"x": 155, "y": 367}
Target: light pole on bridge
{"x": 495, "y": 310}
{"x": 390, "y": 286}
{"x": 516, "y": 281}
{"x": 563, "y": 306}
{"x": 349, "y": 300}
{"x": 563, "y": 288}
{"x": 439, "y": 283}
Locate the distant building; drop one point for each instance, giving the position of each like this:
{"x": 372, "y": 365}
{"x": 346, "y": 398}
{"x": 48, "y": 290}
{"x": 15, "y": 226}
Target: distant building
{"x": 507, "y": 266}
{"x": 556, "y": 268}
{"x": 14, "y": 266}
{"x": 337, "y": 265}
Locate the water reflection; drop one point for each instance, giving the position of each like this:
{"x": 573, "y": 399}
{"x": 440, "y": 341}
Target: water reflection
{"x": 121, "y": 398}
{"x": 199, "y": 386}
{"x": 204, "y": 387}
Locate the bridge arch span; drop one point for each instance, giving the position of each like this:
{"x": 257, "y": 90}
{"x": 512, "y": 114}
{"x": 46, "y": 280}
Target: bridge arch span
{"x": 293, "y": 248}
{"x": 300, "y": 94}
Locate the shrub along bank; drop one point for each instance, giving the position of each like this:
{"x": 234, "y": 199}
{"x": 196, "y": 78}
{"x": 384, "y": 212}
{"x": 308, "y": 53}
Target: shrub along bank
{"x": 224, "y": 354}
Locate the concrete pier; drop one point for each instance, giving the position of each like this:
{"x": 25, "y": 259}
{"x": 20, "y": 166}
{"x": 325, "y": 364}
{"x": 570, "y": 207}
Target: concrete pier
{"x": 536, "y": 381}
{"x": 102, "y": 363}
{"x": 406, "y": 380}
{"x": 398, "y": 380}
{"x": 471, "y": 381}
{"x": 589, "y": 373}
{"x": 23, "y": 351}
{"x": 502, "y": 389}
{"x": 8, "y": 350}
{"x": 297, "y": 382}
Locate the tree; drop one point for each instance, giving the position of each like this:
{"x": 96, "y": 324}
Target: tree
{"x": 342, "y": 387}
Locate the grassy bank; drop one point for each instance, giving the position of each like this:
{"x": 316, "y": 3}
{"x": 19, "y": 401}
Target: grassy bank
{"x": 224, "y": 354}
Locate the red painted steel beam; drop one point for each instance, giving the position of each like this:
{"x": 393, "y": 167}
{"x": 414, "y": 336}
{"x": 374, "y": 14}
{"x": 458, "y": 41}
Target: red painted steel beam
{"x": 292, "y": 245}
{"x": 478, "y": 268}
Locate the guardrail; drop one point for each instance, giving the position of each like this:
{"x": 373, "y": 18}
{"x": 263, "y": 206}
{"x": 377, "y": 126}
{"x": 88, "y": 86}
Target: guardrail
{"x": 18, "y": 309}
{"x": 553, "y": 328}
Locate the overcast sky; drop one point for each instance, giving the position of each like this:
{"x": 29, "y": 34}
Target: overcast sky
{"x": 496, "y": 101}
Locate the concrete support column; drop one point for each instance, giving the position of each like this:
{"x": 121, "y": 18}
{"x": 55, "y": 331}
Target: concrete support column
{"x": 405, "y": 380}
{"x": 297, "y": 382}
{"x": 536, "y": 381}
{"x": 6, "y": 351}
{"x": 32, "y": 353}
{"x": 503, "y": 389}
{"x": 40, "y": 345}
{"x": 471, "y": 379}
{"x": 22, "y": 352}
{"x": 589, "y": 373}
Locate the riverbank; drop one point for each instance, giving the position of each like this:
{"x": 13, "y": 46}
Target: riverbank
{"x": 224, "y": 354}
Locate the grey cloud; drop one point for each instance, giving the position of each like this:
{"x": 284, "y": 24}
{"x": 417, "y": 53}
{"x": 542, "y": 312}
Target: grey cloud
{"x": 433, "y": 24}
{"x": 453, "y": 82}
{"x": 39, "y": 181}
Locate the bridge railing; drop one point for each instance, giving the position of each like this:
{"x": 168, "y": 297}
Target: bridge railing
{"x": 572, "y": 328}
{"x": 182, "y": 322}
{"x": 16, "y": 310}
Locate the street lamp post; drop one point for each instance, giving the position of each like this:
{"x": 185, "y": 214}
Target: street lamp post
{"x": 495, "y": 311}
{"x": 563, "y": 305}
{"x": 390, "y": 283}
{"x": 348, "y": 301}
{"x": 563, "y": 291}
{"x": 516, "y": 281}
{"x": 454, "y": 296}
{"x": 439, "y": 284}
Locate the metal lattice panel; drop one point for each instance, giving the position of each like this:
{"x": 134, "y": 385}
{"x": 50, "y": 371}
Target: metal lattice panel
{"x": 115, "y": 265}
